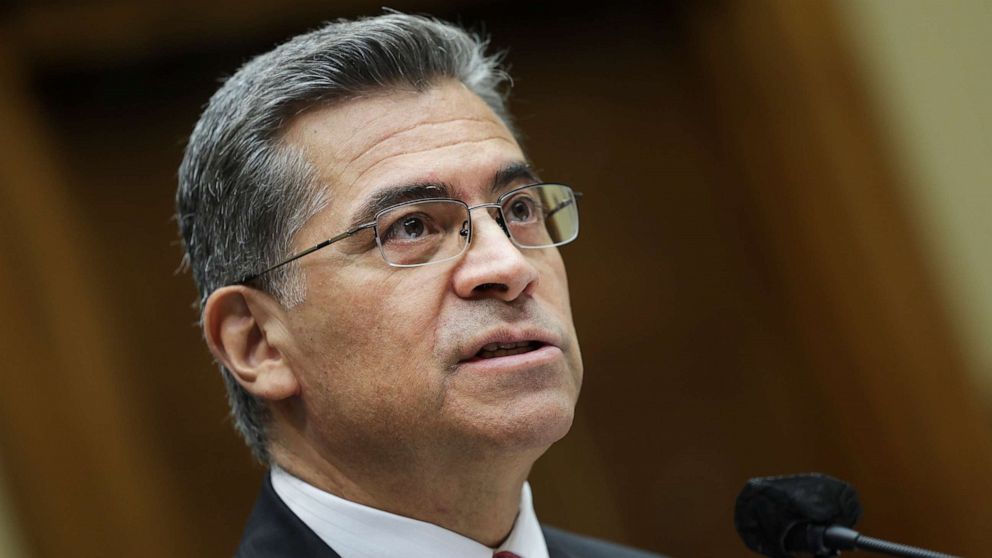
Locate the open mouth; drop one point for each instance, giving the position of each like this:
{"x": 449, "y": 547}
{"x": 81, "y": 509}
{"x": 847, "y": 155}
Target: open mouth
{"x": 494, "y": 350}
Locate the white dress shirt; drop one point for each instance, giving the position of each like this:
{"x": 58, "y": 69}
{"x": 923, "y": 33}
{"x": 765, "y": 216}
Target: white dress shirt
{"x": 357, "y": 531}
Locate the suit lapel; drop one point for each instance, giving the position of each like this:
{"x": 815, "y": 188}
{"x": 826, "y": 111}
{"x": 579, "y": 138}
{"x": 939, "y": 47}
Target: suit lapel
{"x": 274, "y": 531}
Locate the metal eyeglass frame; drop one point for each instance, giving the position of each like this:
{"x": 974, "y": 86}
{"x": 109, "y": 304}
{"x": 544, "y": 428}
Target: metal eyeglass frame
{"x": 497, "y": 205}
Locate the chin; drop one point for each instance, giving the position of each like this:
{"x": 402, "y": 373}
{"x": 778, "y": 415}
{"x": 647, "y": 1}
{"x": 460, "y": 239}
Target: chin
{"x": 534, "y": 423}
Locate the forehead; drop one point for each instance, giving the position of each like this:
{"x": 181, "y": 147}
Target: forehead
{"x": 446, "y": 133}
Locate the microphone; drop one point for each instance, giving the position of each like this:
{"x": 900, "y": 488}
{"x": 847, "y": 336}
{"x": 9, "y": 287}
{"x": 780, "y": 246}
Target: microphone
{"x": 807, "y": 514}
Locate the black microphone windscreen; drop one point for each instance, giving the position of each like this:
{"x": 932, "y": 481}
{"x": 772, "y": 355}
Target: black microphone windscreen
{"x": 768, "y": 507}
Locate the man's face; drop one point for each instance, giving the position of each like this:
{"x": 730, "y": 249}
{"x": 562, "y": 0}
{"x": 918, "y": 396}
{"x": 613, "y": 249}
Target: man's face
{"x": 388, "y": 358}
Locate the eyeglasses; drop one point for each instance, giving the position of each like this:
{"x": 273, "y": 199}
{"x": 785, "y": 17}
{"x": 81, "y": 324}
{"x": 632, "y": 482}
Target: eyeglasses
{"x": 436, "y": 230}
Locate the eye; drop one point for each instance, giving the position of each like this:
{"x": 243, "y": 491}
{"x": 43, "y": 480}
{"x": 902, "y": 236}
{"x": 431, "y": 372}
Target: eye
{"x": 522, "y": 209}
{"x": 409, "y": 227}
{"x": 412, "y": 227}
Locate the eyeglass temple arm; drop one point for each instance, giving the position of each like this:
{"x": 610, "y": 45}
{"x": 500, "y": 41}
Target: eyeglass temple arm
{"x": 564, "y": 204}
{"x": 248, "y": 278}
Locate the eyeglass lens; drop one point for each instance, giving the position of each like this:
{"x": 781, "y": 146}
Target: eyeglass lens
{"x": 425, "y": 232}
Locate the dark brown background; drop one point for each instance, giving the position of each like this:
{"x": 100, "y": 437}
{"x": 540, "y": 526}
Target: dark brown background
{"x": 749, "y": 291}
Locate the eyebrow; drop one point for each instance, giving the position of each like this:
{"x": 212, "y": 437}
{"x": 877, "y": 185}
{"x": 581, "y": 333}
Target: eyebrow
{"x": 512, "y": 172}
{"x": 390, "y": 196}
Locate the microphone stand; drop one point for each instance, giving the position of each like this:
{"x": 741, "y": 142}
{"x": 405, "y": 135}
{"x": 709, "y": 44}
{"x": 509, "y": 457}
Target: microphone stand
{"x": 830, "y": 540}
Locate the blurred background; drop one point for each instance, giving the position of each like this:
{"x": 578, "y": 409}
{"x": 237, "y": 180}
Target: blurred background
{"x": 784, "y": 263}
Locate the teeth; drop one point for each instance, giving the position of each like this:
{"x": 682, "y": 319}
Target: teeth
{"x": 493, "y": 350}
{"x": 506, "y": 346}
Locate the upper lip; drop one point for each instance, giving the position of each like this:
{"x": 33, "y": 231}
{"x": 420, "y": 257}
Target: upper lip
{"x": 508, "y": 335}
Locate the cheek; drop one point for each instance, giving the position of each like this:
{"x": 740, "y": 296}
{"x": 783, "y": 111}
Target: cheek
{"x": 555, "y": 293}
{"x": 403, "y": 314}
{"x": 375, "y": 332}
{"x": 554, "y": 283}
{"x": 366, "y": 361}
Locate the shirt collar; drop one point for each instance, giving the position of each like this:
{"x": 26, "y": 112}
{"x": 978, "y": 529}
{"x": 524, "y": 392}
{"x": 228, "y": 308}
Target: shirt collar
{"x": 357, "y": 531}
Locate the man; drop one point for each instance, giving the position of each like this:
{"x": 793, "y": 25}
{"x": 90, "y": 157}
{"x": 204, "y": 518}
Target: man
{"x": 381, "y": 284}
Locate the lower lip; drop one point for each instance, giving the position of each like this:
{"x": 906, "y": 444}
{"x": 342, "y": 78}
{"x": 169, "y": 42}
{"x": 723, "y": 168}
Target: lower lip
{"x": 513, "y": 363}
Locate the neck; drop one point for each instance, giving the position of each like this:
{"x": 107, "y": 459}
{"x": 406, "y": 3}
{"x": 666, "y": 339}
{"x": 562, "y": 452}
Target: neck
{"x": 477, "y": 498}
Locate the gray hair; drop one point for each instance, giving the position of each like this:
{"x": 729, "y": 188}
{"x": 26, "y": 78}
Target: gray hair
{"x": 244, "y": 194}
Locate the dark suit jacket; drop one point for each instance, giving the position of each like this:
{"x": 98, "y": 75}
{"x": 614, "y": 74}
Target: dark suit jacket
{"x": 273, "y": 531}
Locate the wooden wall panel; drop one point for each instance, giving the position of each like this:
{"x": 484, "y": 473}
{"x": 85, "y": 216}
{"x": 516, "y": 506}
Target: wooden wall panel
{"x": 879, "y": 349}
{"x": 748, "y": 292}
{"x": 83, "y": 472}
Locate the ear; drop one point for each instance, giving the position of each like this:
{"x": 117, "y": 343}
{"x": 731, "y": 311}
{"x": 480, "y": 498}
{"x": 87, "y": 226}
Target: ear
{"x": 245, "y": 330}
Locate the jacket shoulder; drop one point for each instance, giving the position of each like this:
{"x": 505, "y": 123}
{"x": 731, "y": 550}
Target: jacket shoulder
{"x": 273, "y": 531}
{"x": 562, "y": 544}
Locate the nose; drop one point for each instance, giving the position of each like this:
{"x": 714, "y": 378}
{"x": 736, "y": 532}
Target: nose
{"x": 493, "y": 266}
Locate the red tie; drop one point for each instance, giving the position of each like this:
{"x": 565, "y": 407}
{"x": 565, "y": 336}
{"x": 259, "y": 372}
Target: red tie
{"x": 505, "y": 554}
